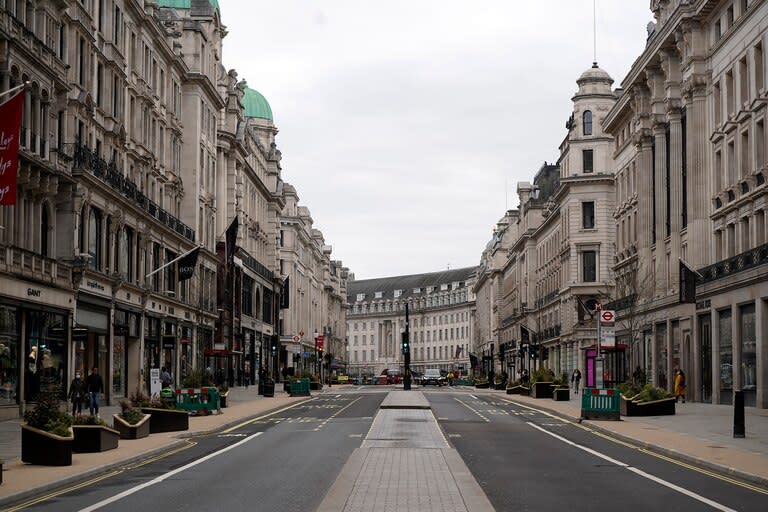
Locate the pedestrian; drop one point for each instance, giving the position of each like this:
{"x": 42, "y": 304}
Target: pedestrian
{"x": 165, "y": 378}
{"x": 679, "y": 385}
{"x": 639, "y": 376}
{"x": 524, "y": 376}
{"x": 576, "y": 379}
{"x": 450, "y": 378}
{"x": 76, "y": 394}
{"x": 94, "y": 385}
{"x": 247, "y": 372}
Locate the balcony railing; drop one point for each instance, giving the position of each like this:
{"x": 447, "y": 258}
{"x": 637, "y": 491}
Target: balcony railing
{"x": 36, "y": 267}
{"x": 546, "y": 299}
{"x": 733, "y": 265}
{"x": 251, "y": 262}
{"x": 88, "y": 160}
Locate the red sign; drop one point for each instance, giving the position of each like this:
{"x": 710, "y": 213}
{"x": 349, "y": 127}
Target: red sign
{"x": 10, "y": 125}
{"x": 607, "y": 316}
{"x": 319, "y": 342}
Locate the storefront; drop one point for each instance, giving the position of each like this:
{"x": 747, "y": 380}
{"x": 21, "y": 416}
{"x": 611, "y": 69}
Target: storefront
{"x": 91, "y": 337}
{"x": 614, "y": 365}
{"x": 185, "y": 352}
{"x": 152, "y": 347}
{"x": 125, "y": 342}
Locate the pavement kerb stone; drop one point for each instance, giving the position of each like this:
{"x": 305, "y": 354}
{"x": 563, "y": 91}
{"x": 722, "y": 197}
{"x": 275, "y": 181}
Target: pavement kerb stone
{"x": 181, "y": 438}
{"x": 690, "y": 459}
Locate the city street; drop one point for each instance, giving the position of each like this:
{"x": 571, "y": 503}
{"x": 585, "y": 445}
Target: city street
{"x": 522, "y": 458}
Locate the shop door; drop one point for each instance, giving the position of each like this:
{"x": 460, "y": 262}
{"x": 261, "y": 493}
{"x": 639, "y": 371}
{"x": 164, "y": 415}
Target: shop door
{"x": 705, "y": 361}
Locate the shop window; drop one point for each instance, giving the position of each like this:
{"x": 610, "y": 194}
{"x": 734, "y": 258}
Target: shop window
{"x": 46, "y": 350}
{"x": 9, "y": 355}
{"x": 726, "y": 357}
{"x": 748, "y": 353}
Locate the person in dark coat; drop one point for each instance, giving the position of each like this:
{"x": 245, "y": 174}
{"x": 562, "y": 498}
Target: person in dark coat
{"x": 95, "y": 387}
{"x": 76, "y": 394}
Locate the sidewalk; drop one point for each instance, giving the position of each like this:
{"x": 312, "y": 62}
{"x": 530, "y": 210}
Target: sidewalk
{"x": 21, "y": 481}
{"x": 698, "y": 433}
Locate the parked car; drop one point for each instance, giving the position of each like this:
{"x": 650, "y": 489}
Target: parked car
{"x": 433, "y": 376}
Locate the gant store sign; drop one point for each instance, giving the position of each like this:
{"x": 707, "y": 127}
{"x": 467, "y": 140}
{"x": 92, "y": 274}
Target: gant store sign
{"x": 33, "y": 292}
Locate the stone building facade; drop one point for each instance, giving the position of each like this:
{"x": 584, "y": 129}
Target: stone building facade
{"x": 137, "y": 146}
{"x": 690, "y": 157}
{"x": 441, "y": 308}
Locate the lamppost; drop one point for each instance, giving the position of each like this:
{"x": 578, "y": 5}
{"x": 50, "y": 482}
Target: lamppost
{"x": 317, "y": 335}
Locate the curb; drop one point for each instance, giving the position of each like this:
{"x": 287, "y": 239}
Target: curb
{"x": 21, "y": 496}
{"x": 684, "y": 457}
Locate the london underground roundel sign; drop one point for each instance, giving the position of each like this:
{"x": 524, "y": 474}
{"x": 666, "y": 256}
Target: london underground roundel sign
{"x": 607, "y": 316}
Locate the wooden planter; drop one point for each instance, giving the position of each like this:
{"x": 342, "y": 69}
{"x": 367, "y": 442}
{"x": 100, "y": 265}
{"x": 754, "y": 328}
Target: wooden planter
{"x": 542, "y": 389}
{"x": 128, "y": 431}
{"x": 499, "y": 386}
{"x": 45, "y": 449}
{"x": 482, "y": 385}
{"x": 166, "y": 420}
{"x": 315, "y": 385}
{"x": 223, "y": 399}
{"x": 663, "y": 407}
{"x": 94, "y": 438}
{"x": 561, "y": 394}
{"x": 518, "y": 390}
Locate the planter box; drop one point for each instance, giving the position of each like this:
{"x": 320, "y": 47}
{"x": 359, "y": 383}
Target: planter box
{"x": 128, "y": 431}
{"x": 44, "y": 448}
{"x": 663, "y": 407}
{"x": 518, "y": 390}
{"x": 223, "y": 399}
{"x": 166, "y": 420}
{"x": 482, "y": 385}
{"x": 542, "y": 389}
{"x": 561, "y": 394}
{"x": 315, "y": 385}
{"x": 500, "y": 386}
{"x": 94, "y": 438}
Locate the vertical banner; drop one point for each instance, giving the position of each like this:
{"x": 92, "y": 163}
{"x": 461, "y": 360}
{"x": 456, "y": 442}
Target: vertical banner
{"x": 10, "y": 127}
{"x": 230, "y": 239}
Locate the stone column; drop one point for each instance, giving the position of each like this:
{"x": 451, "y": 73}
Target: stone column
{"x": 694, "y": 371}
{"x": 675, "y": 192}
{"x": 715, "y": 356}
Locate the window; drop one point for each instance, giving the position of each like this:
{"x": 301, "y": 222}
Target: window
{"x": 360, "y": 297}
{"x": 757, "y": 57}
{"x": 247, "y": 298}
{"x": 126, "y": 258}
{"x": 588, "y": 215}
{"x": 587, "y": 122}
{"x": 94, "y": 239}
{"x": 378, "y": 295}
{"x": 398, "y": 293}
{"x": 587, "y": 160}
{"x": 589, "y": 266}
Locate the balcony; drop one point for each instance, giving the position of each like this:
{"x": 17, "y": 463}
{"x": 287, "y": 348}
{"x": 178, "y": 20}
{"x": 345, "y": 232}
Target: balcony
{"x": 546, "y": 299}
{"x": 733, "y": 265}
{"x": 33, "y": 266}
{"x": 88, "y": 160}
{"x": 251, "y": 262}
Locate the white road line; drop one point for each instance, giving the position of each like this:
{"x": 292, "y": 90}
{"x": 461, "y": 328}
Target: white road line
{"x": 159, "y": 479}
{"x": 640, "y": 472}
{"x": 473, "y": 396}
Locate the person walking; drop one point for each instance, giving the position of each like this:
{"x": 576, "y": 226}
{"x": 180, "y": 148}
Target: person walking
{"x": 76, "y": 394}
{"x": 165, "y": 378}
{"x": 679, "y": 385}
{"x": 94, "y": 385}
{"x": 576, "y": 379}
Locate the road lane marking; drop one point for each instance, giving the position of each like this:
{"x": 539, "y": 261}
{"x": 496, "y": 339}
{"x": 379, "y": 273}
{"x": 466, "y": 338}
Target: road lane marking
{"x": 350, "y": 404}
{"x": 473, "y": 410}
{"x": 253, "y": 420}
{"x": 473, "y": 396}
{"x": 167, "y": 475}
{"x": 709, "y": 473}
{"x": 637, "y": 471}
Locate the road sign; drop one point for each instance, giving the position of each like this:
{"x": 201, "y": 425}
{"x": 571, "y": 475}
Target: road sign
{"x": 607, "y": 337}
{"x": 296, "y": 339}
{"x": 608, "y": 316}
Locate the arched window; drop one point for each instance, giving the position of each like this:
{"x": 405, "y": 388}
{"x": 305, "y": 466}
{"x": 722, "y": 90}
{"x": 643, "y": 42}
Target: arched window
{"x": 587, "y": 122}
{"x": 94, "y": 239}
{"x": 44, "y": 230}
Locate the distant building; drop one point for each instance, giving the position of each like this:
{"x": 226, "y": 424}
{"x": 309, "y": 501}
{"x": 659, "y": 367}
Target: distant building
{"x": 441, "y": 321}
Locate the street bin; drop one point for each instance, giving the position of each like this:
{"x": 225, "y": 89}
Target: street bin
{"x": 269, "y": 388}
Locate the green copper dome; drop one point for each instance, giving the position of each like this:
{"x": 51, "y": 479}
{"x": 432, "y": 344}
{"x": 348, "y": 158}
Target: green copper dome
{"x": 256, "y": 105}
{"x": 184, "y": 4}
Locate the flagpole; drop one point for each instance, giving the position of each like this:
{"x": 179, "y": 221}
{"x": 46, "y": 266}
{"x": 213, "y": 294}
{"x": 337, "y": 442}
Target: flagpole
{"x": 172, "y": 261}
{"x": 14, "y": 89}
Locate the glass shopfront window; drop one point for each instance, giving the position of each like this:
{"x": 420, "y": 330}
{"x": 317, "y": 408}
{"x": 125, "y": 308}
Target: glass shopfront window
{"x": 661, "y": 356}
{"x": 46, "y": 349}
{"x": 726, "y": 357}
{"x": 9, "y": 355}
{"x": 748, "y": 354}
{"x": 169, "y": 349}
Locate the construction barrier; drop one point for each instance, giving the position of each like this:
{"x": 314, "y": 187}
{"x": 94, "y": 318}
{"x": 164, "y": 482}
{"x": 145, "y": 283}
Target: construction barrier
{"x": 299, "y": 387}
{"x": 600, "y": 404}
{"x": 198, "y": 399}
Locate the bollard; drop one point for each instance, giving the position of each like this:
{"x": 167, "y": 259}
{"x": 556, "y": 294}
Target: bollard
{"x": 738, "y": 414}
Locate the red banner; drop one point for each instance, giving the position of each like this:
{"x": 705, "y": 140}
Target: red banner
{"x": 10, "y": 126}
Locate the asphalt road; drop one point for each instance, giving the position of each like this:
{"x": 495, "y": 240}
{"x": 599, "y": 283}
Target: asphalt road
{"x": 524, "y": 460}
{"x": 530, "y": 460}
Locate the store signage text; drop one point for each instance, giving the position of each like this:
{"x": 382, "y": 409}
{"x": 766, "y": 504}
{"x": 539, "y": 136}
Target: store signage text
{"x": 31, "y": 292}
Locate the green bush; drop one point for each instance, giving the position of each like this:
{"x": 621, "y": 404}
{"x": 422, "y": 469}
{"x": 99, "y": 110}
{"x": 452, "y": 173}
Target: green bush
{"x": 541, "y": 375}
{"x": 650, "y": 393}
{"x": 130, "y": 414}
{"x": 47, "y": 415}
{"x": 629, "y": 389}
{"x": 197, "y": 379}
{"x": 88, "y": 420}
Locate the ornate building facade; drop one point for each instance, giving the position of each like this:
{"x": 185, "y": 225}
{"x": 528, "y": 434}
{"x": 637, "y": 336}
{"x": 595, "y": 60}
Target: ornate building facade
{"x": 441, "y": 321}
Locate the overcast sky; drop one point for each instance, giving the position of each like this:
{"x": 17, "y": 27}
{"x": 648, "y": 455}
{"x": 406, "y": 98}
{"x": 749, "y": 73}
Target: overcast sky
{"x": 406, "y": 125}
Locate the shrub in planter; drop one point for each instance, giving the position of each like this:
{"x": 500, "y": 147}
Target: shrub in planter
{"x": 482, "y": 383}
{"x": 517, "y": 388}
{"x": 93, "y": 435}
{"x": 198, "y": 378}
{"x": 650, "y": 401}
{"x": 46, "y": 438}
{"x": 164, "y": 416}
{"x": 131, "y": 422}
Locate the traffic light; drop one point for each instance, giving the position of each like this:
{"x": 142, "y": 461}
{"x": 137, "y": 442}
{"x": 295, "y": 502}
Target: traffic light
{"x": 534, "y": 352}
{"x": 406, "y": 345}
{"x": 274, "y": 344}
{"x": 544, "y": 353}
